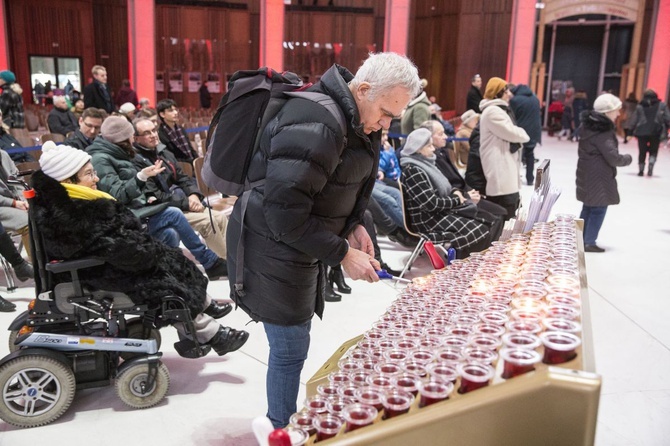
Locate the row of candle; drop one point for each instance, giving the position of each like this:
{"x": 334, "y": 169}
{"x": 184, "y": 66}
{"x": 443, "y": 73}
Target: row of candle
{"x": 453, "y": 325}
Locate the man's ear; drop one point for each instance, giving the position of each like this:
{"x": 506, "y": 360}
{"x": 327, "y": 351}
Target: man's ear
{"x": 362, "y": 90}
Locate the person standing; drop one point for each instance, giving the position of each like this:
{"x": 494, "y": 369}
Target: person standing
{"x": 125, "y": 94}
{"x": 11, "y": 103}
{"x": 629, "y": 107}
{"x": 205, "y": 96}
{"x": 596, "y": 167}
{"x": 98, "y": 94}
{"x": 474, "y": 94}
{"x": 526, "y": 108}
{"x": 309, "y": 211}
{"x": 500, "y": 141}
{"x": 650, "y": 123}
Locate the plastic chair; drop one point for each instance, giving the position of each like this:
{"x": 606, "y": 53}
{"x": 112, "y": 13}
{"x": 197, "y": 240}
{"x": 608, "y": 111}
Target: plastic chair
{"x": 424, "y": 243}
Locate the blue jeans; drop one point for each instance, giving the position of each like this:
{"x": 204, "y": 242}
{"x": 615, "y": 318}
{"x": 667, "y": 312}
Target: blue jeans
{"x": 389, "y": 200}
{"x": 288, "y": 350}
{"x": 593, "y": 220}
{"x": 173, "y": 219}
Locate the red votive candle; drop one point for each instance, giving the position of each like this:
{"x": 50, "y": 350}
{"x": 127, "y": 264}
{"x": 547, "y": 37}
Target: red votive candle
{"x": 518, "y": 361}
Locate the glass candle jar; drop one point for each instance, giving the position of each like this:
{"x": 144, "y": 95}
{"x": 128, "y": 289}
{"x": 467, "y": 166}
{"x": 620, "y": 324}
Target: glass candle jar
{"x": 474, "y": 376}
{"x": 559, "y": 347}
{"x": 326, "y": 425}
{"x": 358, "y": 415}
{"x": 518, "y": 361}
{"x": 432, "y": 392}
{"x": 396, "y": 402}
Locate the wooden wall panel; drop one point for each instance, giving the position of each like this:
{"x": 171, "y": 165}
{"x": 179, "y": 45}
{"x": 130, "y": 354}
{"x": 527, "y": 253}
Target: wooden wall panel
{"x": 43, "y": 28}
{"x": 451, "y": 41}
{"x": 110, "y": 32}
{"x": 182, "y": 36}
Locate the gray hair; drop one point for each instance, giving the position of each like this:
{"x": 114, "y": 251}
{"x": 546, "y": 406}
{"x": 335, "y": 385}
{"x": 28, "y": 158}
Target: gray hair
{"x": 430, "y": 125}
{"x": 59, "y": 99}
{"x": 385, "y": 71}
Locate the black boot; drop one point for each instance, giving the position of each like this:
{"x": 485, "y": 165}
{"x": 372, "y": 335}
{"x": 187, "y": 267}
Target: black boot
{"x": 399, "y": 235}
{"x": 641, "y": 172}
{"x": 336, "y": 278}
{"x": 6, "y": 306}
{"x": 331, "y": 295}
{"x": 22, "y": 269}
{"x": 652, "y": 161}
{"x": 393, "y": 272}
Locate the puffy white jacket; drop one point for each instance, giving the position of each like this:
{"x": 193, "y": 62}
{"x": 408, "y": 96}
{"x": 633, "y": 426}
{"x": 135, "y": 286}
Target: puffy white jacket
{"x": 497, "y": 131}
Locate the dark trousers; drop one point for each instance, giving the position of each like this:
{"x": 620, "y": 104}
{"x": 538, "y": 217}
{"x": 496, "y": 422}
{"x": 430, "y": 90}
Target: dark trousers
{"x": 529, "y": 158}
{"x": 593, "y": 217}
{"x": 648, "y": 144}
{"x": 510, "y": 202}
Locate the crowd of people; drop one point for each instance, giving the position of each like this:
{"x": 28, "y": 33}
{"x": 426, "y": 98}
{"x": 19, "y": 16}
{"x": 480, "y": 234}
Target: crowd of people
{"x": 116, "y": 189}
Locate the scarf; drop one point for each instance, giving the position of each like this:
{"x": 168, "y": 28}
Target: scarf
{"x": 440, "y": 183}
{"x": 85, "y": 193}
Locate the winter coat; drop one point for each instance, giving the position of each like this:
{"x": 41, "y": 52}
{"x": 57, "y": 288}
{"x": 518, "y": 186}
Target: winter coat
{"x": 418, "y": 111}
{"x": 474, "y": 98}
{"x": 11, "y": 105}
{"x": 62, "y": 121}
{"x": 651, "y": 118}
{"x": 526, "y": 109}
{"x": 317, "y": 185}
{"x": 579, "y": 105}
{"x": 497, "y": 130}
{"x": 125, "y": 94}
{"x": 433, "y": 216}
{"x": 389, "y": 164}
{"x": 172, "y": 147}
{"x": 78, "y": 140}
{"x": 598, "y": 159}
{"x": 161, "y": 185}
{"x": 205, "y": 96}
{"x": 138, "y": 265}
{"x": 474, "y": 173}
{"x": 93, "y": 96}
{"x": 117, "y": 173}
{"x": 11, "y": 218}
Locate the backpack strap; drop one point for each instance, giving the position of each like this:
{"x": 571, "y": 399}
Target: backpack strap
{"x": 327, "y": 102}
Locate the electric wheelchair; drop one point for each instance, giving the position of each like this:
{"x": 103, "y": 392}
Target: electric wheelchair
{"x": 74, "y": 338}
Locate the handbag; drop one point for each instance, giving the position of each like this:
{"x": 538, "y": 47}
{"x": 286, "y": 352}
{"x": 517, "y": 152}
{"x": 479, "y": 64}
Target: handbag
{"x": 468, "y": 210}
{"x": 150, "y": 210}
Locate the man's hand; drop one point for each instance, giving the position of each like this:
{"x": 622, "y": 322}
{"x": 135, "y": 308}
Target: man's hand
{"x": 359, "y": 239}
{"x": 474, "y": 196}
{"x": 194, "y": 204}
{"x": 360, "y": 266}
{"x": 23, "y": 205}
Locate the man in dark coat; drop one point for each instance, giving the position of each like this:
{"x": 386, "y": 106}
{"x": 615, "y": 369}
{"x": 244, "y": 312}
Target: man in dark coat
{"x": 308, "y": 212}
{"x": 475, "y": 94}
{"x": 89, "y": 128}
{"x": 61, "y": 120}
{"x": 205, "y": 96}
{"x": 98, "y": 94}
{"x": 526, "y": 108}
{"x": 596, "y": 168}
{"x": 650, "y": 125}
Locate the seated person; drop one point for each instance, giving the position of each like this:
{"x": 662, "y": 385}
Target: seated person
{"x": 434, "y": 207}
{"x": 174, "y": 187}
{"x": 13, "y": 210}
{"x": 79, "y": 221}
{"x": 389, "y": 167}
{"x": 469, "y": 121}
{"x": 112, "y": 156}
{"x": 61, "y": 120}
{"x": 171, "y": 133}
{"x": 22, "y": 269}
{"x": 7, "y": 142}
{"x": 89, "y": 127}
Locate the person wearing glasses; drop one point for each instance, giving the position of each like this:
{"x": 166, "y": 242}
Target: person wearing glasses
{"x": 89, "y": 127}
{"x": 174, "y": 187}
{"x": 500, "y": 141}
{"x": 77, "y": 220}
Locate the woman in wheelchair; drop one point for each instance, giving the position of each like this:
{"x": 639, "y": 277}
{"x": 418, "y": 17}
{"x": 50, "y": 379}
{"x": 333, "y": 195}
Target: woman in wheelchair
{"x": 434, "y": 207}
{"x": 76, "y": 220}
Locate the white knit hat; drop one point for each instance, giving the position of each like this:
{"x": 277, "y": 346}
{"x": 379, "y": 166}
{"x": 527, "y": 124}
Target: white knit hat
{"x": 416, "y": 141}
{"x": 62, "y": 162}
{"x": 606, "y": 103}
{"x": 468, "y": 116}
{"x": 126, "y": 108}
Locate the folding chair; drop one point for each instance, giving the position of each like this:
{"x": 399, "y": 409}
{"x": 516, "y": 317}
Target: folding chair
{"x": 424, "y": 243}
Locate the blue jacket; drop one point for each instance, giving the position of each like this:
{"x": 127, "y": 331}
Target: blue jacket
{"x": 388, "y": 163}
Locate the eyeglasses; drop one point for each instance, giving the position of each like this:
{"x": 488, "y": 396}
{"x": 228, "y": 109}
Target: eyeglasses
{"x": 148, "y": 132}
{"x": 90, "y": 173}
{"x": 91, "y": 126}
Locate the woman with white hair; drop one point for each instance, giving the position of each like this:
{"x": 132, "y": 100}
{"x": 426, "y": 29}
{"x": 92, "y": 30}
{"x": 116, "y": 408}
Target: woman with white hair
{"x": 599, "y": 158}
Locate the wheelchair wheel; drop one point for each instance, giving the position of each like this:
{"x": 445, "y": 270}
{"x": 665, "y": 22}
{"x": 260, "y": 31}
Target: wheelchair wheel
{"x": 135, "y": 330}
{"x": 131, "y": 382}
{"x": 12, "y": 337}
{"x": 36, "y": 390}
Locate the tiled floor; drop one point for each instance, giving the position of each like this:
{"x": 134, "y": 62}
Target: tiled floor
{"x": 212, "y": 401}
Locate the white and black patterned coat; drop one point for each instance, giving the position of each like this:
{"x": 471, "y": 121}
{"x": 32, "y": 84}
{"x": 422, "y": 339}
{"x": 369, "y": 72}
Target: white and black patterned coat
{"x": 431, "y": 215}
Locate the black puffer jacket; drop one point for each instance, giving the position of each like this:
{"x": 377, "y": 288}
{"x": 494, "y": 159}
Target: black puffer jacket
{"x": 137, "y": 265}
{"x": 315, "y": 192}
{"x": 598, "y": 159}
{"x": 526, "y": 109}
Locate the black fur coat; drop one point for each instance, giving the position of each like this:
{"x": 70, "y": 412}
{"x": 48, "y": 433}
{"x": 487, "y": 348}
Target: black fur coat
{"x": 137, "y": 265}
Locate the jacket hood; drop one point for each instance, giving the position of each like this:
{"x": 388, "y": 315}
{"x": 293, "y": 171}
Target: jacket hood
{"x": 649, "y": 98}
{"x": 596, "y": 122}
{"x": 421, "y": 98}
{"x": 522, "y": 90}
{"x": 490, "y": 102}
{"x": 102, "y": 146}
{"x": 334, "y": 83}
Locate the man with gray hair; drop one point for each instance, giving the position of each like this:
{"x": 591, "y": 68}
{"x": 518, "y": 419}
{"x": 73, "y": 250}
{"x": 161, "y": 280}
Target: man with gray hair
{"x": 314, "y": 181}
{"x": 61, "y": 120}
{"x": 98, "y": 94}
